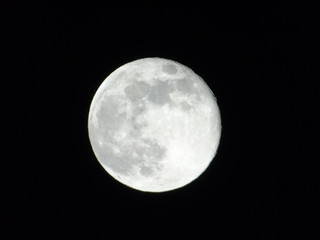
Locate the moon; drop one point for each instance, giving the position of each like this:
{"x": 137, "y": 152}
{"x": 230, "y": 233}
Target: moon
{"x": 154, "y": 125}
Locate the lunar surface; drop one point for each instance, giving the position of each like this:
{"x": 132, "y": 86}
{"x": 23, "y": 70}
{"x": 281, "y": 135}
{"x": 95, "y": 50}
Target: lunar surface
{"x": 154, "y": 125}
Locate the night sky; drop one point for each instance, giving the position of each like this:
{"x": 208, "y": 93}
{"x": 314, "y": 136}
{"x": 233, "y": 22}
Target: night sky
{"x": 258, "y": 59}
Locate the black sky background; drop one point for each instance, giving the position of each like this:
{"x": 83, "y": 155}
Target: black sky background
{"x": 258, "y": 58}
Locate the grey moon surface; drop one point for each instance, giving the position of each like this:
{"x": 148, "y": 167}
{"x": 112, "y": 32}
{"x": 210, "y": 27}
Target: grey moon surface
{"x": 154, "y": 125}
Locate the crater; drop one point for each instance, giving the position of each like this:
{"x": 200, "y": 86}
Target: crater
{"x": 123, "y": 154}
{"x": 137, "y": 90}
{"x": 121, "y": 163}
{"x": 121, "y": 159}
{"x": 151, "y": 156}
{"x": 109, "y": 117}
{"x": 169, "y": 68}
{"x": 159, "y": 94}
{"x": 136, "y": 129}
{"x": 153, "y": 151}
{"x": 184, "y": 85}
{"x": 185, "y": 106}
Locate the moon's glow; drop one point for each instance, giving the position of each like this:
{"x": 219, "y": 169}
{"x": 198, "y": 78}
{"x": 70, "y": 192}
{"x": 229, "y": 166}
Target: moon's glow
{"x": 154, "y": 125}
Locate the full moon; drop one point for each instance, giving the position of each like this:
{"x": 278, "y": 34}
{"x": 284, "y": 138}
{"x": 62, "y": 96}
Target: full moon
{"x": 154, "y": 125}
